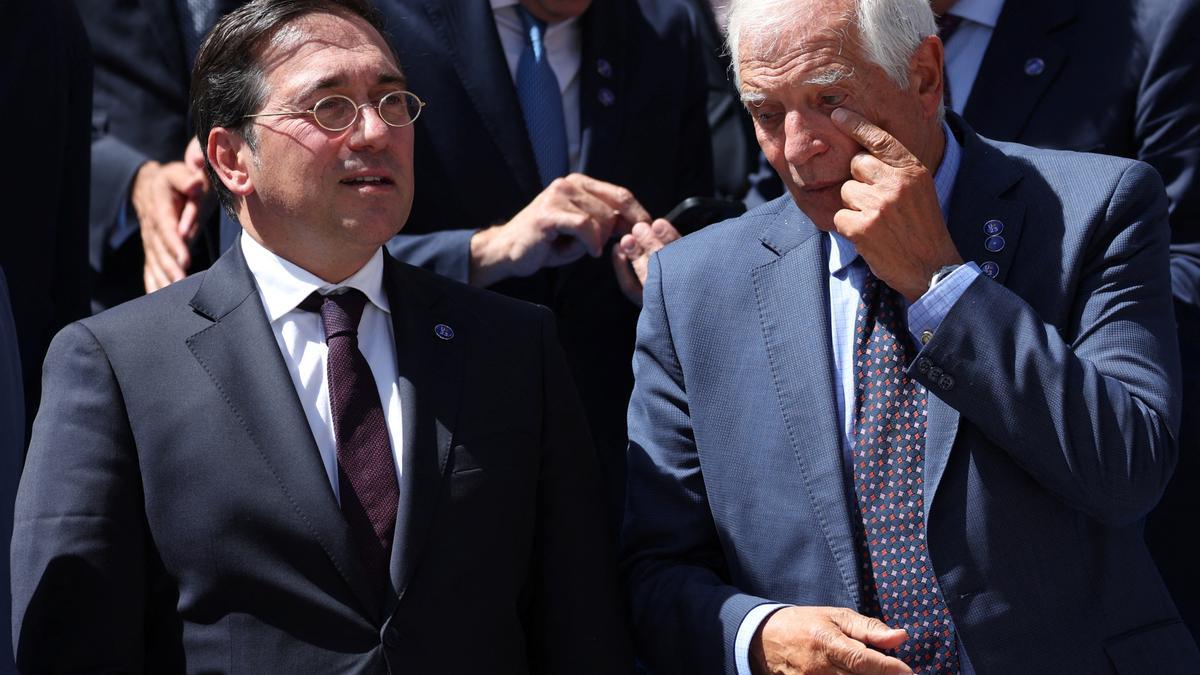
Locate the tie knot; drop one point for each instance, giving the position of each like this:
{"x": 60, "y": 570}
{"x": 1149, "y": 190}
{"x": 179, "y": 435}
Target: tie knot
{"x": 340, "y": 312}
{"x": 535, "y": 28}
{"x": 947, "y": 24}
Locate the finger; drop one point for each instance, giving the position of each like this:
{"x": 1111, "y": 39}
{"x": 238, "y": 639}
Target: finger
{"x": 857, "y": 196}
{"x": 161, "y": 258}
{"x": 627, "y": 279}
{"x": 664, "y": 231}
{"x": 184, "y": 179}
{"x": 599, "y": 211}
{"x": 187, "y": 219}
{"x": 629, "y": 247}
{"x": 581, "y": 228}
{"x": 619, "y": 198}
{"x": 868, "y": 168}
{"x": 868, "y": 629}
{"x": 172, "y": 244}
{"x": 877, "y": 141}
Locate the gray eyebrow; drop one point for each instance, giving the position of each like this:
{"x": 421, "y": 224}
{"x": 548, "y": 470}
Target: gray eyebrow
{"x": 830, "y": 76}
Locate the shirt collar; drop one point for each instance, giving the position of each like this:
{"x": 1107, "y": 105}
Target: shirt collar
{"x": 283, "y": 285}
{"x": 985, "y": 12}
{"x": 842, "y": 253}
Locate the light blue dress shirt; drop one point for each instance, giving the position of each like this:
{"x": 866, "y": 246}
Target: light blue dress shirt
{"x": 847, "y": 272}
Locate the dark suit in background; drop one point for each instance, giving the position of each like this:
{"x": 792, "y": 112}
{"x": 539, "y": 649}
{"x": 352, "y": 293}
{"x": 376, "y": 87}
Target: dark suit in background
{"x": 642, "y": 104}
{"x": 198, "y": 530}
{"x": 1120, "y": 78}
{"x": 46, "y": 89}
{"x": 144, "y": 51}
{"x": 12, "y": 450}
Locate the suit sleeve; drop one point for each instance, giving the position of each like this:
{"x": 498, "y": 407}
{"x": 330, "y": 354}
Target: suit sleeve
{"x": 79, "y": 534}
{"x": 579, "y": 620}
{"x": 685, "y": 613}
{"x": 1090, "y": 410}
{"x": 139, "y": 108}
{"x": 446, "y": 253}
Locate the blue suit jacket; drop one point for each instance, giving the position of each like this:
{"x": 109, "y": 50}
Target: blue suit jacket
{"x": 1120, "y": 78}
{"x": 175, "y": 514}
{"x": 1051, "y": 441}
{"x": 643, "y": 126}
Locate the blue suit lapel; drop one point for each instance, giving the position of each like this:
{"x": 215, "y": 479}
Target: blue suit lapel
{"x": 469, "y": 31}
{"x": 431, "y": 374}
{"x": 793, "y": 303}
{"x": 1005, "y": 94}
{"x": 241, "y": 356}
{"x": 984, "y": 177}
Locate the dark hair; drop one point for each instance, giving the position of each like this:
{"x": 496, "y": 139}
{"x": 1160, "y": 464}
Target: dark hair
{"x": 227, "y": 79}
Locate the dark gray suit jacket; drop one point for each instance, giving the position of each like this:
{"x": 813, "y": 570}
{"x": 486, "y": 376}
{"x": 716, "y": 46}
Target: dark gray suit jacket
{"x": 175, "y": 515}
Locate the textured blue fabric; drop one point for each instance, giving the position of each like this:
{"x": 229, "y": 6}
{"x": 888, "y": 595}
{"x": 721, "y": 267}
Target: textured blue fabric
{"x": 541, "y": 102}
{"x": 899, "y": 585}
{"x": 1053, "y": 395}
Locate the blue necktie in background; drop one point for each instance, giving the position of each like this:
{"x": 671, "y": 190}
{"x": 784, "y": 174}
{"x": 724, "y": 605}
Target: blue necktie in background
{"x": 541, "y": 102}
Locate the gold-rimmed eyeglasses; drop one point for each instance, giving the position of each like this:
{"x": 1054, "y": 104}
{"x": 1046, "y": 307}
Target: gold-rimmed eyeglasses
{"x": 338, "y": 113}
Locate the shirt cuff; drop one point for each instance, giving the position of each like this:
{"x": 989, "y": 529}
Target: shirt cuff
{"x": 926, "y": 314}
{"x": 745, "y": 634}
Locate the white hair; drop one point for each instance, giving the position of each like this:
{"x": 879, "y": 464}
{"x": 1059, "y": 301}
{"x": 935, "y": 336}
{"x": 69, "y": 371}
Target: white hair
{"x": 889, "y": 31}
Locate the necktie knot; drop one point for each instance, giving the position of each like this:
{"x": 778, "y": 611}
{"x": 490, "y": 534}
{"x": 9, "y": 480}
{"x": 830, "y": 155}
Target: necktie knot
{"x": 947, "y": 24}
{"x": 340, "y": 312}
{"x": 535, "y": 28}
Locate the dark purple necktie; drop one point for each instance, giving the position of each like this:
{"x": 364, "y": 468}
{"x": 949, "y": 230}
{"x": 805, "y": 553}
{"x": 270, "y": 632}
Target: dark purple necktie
{"x": 366, "y": 468}
{"x": 889, "y": 467}
{"x": 947, "y": 24}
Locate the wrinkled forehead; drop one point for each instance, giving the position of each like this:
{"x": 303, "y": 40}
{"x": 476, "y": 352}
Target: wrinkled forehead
{"x": 819, "y": 53}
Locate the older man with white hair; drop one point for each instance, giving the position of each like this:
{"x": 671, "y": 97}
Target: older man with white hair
{"x": 915, "y": 421}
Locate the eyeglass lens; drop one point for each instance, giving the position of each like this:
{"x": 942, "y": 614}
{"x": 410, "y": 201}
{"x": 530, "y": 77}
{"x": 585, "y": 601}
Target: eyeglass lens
{"x": 397, "y": 109}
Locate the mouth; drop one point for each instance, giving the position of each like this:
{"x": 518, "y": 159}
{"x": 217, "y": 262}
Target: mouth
{"x": 368, "y": 181}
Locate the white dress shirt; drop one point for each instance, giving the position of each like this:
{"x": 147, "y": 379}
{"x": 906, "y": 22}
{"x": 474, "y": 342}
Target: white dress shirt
{"x": 965, "y": 50}
{"x": 282, "y": 286}
{"x": 564, "y": 49}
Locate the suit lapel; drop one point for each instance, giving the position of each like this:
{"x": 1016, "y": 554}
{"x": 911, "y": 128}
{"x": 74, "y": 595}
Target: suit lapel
{"x": 1015, "y": 73}
{"x": 793, "y": 303}
{"x": 430, "y": 370}
{"x": 469, "y": 31}
{"x": 241, "y": 356}
{"x": 603, "y": 85}
{"x": 984, "y": 176}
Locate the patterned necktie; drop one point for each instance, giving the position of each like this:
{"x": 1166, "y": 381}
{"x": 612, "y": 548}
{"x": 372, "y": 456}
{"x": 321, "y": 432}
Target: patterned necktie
{"x": 889, "y": 463}
{"x": 541, "y": 102}
{"x": 366, "y": 468}
{"x": 947, "y": 24}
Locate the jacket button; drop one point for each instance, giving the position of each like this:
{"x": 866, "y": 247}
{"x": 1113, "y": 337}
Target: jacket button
{"x": 923, "y": 365}
{"x": 935, "y": 374}
{"x": 946, "y": 382}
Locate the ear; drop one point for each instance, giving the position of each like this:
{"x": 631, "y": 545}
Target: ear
{"x": 231, "y": 156}
{"x": 926, "y": 74}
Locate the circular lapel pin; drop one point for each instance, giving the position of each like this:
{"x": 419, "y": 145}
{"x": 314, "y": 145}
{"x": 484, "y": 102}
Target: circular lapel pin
{"x": 443, "y": 331}
{"x": 603, "y": 67}
{"x": 990, "y": 268}
{"x": 1035, "y": 67}
{"x": 993, "y": 227}
{"x": 606, "y": 97}
{"x": 994, "y": 244}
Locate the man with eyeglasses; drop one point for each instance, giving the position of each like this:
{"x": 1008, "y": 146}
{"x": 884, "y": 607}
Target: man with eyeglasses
{"x": 310, "y": 457}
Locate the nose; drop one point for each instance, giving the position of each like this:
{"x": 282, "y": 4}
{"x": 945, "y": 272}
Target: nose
{"x": 804, "y": 139}
{"x": 369, "y": 131}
